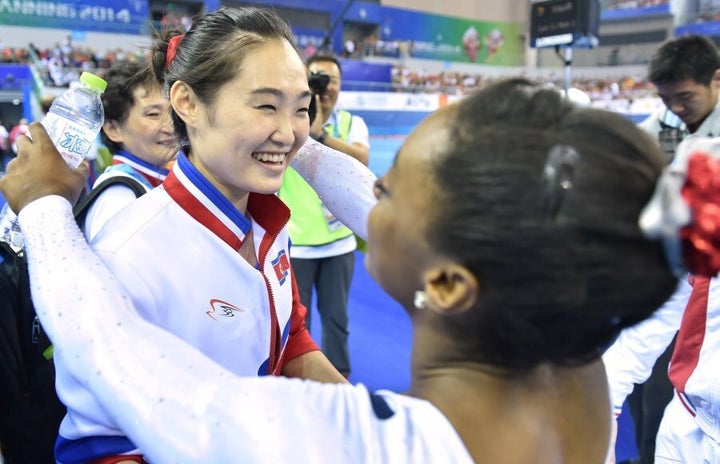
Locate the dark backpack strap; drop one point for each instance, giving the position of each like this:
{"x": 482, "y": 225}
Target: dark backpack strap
{"x": 81, "y": 208}
{"x": 30, "y": 411}
{"x": 12, "y": 369}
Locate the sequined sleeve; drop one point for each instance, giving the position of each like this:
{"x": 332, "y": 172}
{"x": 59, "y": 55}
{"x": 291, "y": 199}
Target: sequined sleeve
{"x": 344, "y": 184}
{"x": 177, "y": 405}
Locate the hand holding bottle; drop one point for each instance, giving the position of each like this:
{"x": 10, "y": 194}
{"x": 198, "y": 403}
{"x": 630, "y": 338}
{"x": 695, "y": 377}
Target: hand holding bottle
{"x": 71, "y": 125}
{"x": 76, "y": 117}
{"x": 39, "y": 170}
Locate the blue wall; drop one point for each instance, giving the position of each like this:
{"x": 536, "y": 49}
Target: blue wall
{"x": 14, "y": 76}
{"x": 18, "y": 78}
{"x": 359, "y": 12}
{"x": 382, "y": 123}
{"x": 400, "y": 123}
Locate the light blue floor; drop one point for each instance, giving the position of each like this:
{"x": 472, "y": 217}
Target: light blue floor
{"x": 382, "y": 153}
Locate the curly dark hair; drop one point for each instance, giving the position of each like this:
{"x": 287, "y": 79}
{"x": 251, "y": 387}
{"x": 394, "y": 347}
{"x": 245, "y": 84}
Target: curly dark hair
{"x": 211, "y": 52}
{"x": 122, "y": 80}
{"x": 555, "y": 286}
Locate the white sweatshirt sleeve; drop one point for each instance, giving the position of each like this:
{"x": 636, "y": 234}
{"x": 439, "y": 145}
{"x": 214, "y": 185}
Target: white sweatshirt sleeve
{"x": 631, "y": 358}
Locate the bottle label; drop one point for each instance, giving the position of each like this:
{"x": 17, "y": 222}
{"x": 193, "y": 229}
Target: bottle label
{"x": 10, "y": 229}
{"x": 71, "y": 139}
{"x": 17, "y": 241}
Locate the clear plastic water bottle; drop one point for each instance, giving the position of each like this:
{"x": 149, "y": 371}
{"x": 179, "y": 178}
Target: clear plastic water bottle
{"x": 75, "y": 118}
{"x": 10, "y": 228}
{"x": 73, "y": 123}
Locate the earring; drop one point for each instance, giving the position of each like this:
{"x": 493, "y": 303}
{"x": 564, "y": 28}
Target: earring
{"x": 420, "y": 300}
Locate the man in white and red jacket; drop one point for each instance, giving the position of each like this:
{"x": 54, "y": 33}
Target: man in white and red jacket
{"x": 690, "y": 429}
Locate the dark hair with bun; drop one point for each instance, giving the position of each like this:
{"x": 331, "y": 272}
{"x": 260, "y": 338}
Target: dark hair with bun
{"x": 555, "y": 287}
{"x": 212, "y": 52}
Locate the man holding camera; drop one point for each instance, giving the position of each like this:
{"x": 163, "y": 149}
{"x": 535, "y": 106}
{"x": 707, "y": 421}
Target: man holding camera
{"x": 323, "y": 251}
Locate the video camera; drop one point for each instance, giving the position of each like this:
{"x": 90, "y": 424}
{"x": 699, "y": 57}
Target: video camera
{"x": 318, "y": 83}
{"x": 672, "y": 132}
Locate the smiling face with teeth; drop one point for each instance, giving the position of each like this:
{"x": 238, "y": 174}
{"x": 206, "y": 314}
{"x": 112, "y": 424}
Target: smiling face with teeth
{"x": 245, "y": 139}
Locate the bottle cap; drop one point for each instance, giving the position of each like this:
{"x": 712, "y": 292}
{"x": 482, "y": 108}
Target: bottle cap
{"x": 95, "y": 82}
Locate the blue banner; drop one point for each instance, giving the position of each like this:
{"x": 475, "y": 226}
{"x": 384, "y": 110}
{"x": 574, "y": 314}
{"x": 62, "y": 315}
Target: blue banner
{"x": 635, "y": 13}
{"x": 358, "y": 75}
{"x": 309, "y": 40}
{"x": 116, "y": 16}
{"x": 14, "y": 76}
{"x": 710, "y": 28}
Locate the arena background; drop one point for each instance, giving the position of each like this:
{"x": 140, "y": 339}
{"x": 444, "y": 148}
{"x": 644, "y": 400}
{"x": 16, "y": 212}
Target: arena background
{"x": 402, "y": 59}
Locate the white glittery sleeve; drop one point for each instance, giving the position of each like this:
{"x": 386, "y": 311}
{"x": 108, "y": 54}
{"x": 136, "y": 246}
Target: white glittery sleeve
{"x": 344, "y": 184}
{"x": 175, "y": 404}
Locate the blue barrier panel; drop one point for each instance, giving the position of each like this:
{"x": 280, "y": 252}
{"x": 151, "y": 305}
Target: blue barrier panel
{"x": 116, "y": 16}
{"x": 635, "y": 13}
{"x": 14, "y": 76}
{"x": 391, "y": 122}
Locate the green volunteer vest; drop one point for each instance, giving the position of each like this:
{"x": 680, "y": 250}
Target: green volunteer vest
{"x": 308, "y": 224}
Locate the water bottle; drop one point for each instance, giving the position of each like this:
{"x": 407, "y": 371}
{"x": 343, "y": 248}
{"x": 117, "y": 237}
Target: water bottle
{"x": 75, "y": 118}
{"x": 73, "y": 123}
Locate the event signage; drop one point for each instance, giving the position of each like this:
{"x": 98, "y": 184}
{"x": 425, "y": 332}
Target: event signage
{"x": 115, "y": 16}
{"x": 452, "y": 39}
{"x": 564, "y": 22}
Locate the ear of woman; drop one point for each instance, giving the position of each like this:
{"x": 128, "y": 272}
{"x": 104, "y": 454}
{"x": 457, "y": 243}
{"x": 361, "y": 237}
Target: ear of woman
{"x": 183, "y": 101}
{"x": 450, "y": 288}
{"x": 111, "y": 130}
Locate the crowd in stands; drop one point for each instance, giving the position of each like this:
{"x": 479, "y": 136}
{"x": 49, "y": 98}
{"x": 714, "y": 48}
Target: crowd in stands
{"x": 709, "y": 11}
{"x": 174, "y": 21}
{"x": 631, "y": 4}
{"x": 12, "y": 54}
{"x": 420, "y": 80}
{"x": 372, "y": 46}
{"x": 456, "y": 83}
{"x": 63, "y": 63}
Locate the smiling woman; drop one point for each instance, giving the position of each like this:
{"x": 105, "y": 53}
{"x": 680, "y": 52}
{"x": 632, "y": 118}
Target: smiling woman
{"x": 138, "y": 132}
{"x": 239, "y": 98}
{"x": 243, "y": 138}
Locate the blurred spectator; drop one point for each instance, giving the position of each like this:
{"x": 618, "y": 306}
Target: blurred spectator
{"x": 186, "y": 22}
{"x": 404, "y": 79}
{"x": 631, "y": 4}
{"x": 21, "y": 128}
{"x": 309, "y": 50}
{"x": 4, "y": 145}
{"x": 60, "y": 69}
{"x": 13, "y": 55}
{"x": 349, "y": 48}
{"x": 61, "y": 66}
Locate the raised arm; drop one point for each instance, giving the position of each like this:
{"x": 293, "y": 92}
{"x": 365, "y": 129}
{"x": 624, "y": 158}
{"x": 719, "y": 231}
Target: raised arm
{"x": 344, "y": 184}
{"x": 177, "y": 405}
{"x": 631, "y": 358}
{"x": 171, "y": 401}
